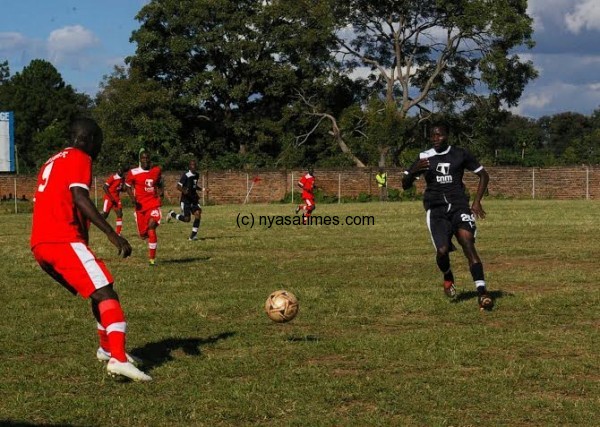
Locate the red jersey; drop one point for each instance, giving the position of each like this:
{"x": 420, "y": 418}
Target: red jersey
{"x": 115, "y": 185}
{"x": 145, "y": 186}
{"x": 55, "y": 217}
{"x": 308, "y": 184}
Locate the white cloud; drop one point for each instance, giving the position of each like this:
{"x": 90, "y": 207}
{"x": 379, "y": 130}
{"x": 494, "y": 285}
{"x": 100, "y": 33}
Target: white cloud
{"x": 12, "y": 41}
{"x": 536, "y": 100}
{"x": 67, "y": 44}
{"x": 585, "y": 16}
{"x": 594, "y": 87}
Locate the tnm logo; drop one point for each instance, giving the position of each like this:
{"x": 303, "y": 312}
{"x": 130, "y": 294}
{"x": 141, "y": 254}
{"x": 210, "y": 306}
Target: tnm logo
{"x": 443, "y": 168}
{"x": 149, "y": 184}
{"x": 446, "y": 179}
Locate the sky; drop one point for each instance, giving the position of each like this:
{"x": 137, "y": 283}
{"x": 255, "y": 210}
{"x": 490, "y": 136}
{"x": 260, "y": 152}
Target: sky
{"x": 85, "y": 39}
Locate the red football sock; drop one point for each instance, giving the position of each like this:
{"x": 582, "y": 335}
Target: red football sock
{"x": 113, "y": 320}
{"x": 152, "y": 243}
{"x": 119, "y": 224}
{"x": 103, "y": 337}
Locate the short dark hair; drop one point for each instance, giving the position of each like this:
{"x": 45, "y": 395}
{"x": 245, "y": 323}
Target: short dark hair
{"x": 84, "y": 129}
{"x": 441, "y": 124}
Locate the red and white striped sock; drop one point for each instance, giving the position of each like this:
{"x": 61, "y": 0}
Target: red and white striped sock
{"x": 152, "y": 243}
{"x": 113, "y": 321}
{"x": 103, "y": 337}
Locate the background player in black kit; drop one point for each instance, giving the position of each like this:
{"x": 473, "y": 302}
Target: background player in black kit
{"x": 447, "y": 206}
{"x": 190, "y": 201}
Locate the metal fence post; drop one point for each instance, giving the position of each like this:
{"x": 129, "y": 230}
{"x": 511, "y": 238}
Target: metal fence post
{"x": 587, "y": 183}
{"x": 15, "y": 197}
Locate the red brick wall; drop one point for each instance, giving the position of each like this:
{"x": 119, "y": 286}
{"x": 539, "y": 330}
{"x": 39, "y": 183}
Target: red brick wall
{"x": 232, "y": 187}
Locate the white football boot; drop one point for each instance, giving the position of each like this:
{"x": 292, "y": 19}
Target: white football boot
{"x": 104, "y": 356}
{"x": 126, "y": 369}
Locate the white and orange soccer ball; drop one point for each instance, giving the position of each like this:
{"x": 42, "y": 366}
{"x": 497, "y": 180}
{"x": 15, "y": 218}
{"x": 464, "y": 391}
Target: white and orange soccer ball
{"x": 281, "y": 306}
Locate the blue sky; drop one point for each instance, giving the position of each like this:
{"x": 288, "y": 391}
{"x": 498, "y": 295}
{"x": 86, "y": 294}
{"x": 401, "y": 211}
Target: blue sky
{"x": 85, "y": 39}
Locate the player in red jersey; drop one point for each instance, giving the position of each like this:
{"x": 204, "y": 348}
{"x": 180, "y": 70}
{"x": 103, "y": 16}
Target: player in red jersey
{"x": 307, "y": 184}
{"x": 112, "y": 198}
{"x": 144, "y": 186}
{"x": 62, "y": 213}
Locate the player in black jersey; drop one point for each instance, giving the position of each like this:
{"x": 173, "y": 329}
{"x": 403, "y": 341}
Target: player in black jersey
{"x": 190, "y": 201}
{"x": 447, "y": 206}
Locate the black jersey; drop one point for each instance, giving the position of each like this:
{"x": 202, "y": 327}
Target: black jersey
{"x": 444, "y": 177}
{"x": 189, "y": 181}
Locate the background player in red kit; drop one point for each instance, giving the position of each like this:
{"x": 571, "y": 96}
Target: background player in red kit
{"x": 112, "y": 198}
{"x": 307, "y": 184}
{"x": 62, "y": 213}
{"x": 144, "y": 186}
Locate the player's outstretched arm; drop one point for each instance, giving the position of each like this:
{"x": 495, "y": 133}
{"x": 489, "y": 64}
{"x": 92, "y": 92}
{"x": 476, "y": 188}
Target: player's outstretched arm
{"x": 81, "y": 198}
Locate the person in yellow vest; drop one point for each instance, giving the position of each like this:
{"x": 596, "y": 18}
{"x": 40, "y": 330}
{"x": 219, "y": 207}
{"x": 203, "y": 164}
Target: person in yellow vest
{"x": 381, "y": 179}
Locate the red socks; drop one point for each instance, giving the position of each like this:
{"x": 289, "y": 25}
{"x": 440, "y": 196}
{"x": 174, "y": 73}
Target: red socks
{"x": 113, "y": 321}
{"x": 152, "y": 243}
{"x": 103, "y": 337}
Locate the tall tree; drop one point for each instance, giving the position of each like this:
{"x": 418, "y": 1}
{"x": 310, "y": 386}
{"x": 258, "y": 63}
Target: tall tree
{"x": 232, "y": 63}
{"x": 435, "y": 55}
{"x": 136, "y": 112}
{"x": 43, "y": 105}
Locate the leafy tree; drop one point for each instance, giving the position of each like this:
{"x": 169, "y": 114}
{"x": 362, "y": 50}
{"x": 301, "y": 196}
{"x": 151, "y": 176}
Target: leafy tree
{"x": 43, "y": 105}
{"x": 428, "y": 55}
{"x": 233, "y": 65}
{"x": 562, "y": 130}
{"x": 4, "y": 72}
{"x": 135, "y": 112}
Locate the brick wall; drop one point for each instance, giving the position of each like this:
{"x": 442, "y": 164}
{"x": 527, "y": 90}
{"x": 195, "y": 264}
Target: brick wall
{"x": 232, "y": 187}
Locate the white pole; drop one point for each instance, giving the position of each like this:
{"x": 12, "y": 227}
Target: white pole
{"x": 340, "y": 188}
{"x": 587, "y": 183}
{"x": 533, "y": 182}
{"x": 247, "y": 189}
{"x": 292, "y": 181}
{"x": 15, "y": 196}
{"x": 203, "y": 191}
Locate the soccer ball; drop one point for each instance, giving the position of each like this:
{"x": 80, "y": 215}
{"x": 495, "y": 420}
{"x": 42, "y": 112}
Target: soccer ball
{"x": 281, "y": 306}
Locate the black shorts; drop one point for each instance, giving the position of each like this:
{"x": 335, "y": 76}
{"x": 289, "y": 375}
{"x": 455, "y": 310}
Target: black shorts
{"x": 444, "y": 223}
{"x": 188, "y": 208}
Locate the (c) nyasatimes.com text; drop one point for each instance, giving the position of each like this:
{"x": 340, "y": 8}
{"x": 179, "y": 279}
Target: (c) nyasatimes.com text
{"x": 249, "y": 220}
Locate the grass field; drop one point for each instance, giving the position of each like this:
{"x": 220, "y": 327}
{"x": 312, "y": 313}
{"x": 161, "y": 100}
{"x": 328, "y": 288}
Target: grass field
{"x": 376, "y": 343}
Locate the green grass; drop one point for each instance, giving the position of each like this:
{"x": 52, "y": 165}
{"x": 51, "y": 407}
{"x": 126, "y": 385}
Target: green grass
{"x": 376, "y": 343}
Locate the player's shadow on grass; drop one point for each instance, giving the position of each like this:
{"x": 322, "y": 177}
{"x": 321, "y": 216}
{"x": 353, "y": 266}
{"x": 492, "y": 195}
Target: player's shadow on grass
{"x": 185, "y": 260}
{"x": 465, "y": 296}
{"x": 157, "y": 353}
{"x": 10, "y": 423}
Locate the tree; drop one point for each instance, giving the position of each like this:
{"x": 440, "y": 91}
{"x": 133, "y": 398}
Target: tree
{"x": 43, "y": 105}
{"x": 4, "y": 72}
{"x": 136, "y": 112}
{"x": 560, "y": 130}
{"x": 233, "y": 65}
{"x": 435, "y": 55}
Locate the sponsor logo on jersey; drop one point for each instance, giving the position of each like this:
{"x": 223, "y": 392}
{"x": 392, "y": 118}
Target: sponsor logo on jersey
{"x": 444, "y": 169}
{"x": 149, "y": 185}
